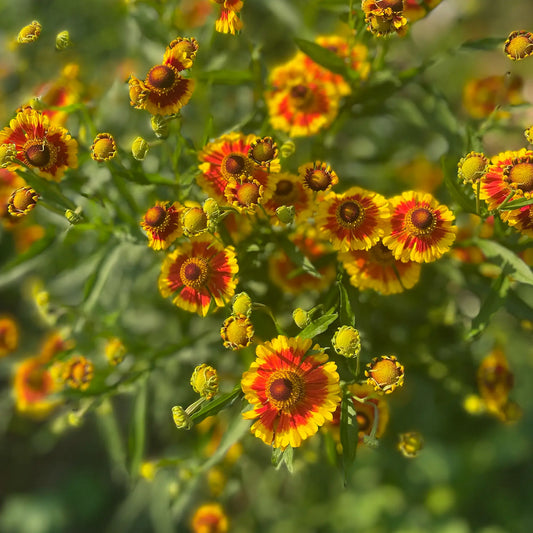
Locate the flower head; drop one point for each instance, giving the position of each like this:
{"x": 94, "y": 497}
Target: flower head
{"x": 196, "y": 220}
{"x": 9, "y": 336}
{"x": 139, "y": 148}
{"x": 162, "y": 224}
{"x": 77, "y": 372}
{"x": 384, "y": 17}
{"x": 237, "y": 332}
{"x": 103, "y": 148}
{"x": 384, "y": 373}
{"x": 115, "y": 351}
{"x": 242, "y": 304}
{"x": 246, "y": 194}
{"x": 519, "y": 45}
{"x": 181, "y": 417}
{"x": 229, "y": 20}
{"x": 411, "y": 443}
{"x": 204, "y": 381}
{"x": 292, "y": 392}
{"x": 318, "y": 176}
{"x": 45, "y": 147}
{"x": 378, "y": 269}
{"x": 210, "y": 518}
{"x": 471, "y": 168}
{"x": 29, "y": 33}
{"x": 347, "y": 341}
{"x": 353, "y": 220}
{"x": 199, "y": 273}
{"x": 22, "y": 201}
{"x": 181, "y": 53}
{"x": 264, "y": 152}
{"x": 422, "y": 229}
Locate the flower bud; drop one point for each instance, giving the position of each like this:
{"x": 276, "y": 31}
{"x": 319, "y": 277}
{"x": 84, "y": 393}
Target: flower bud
{"x": 139, "y": 148}
{"x": 63, "y": 40}
{"x": 204, "y": 381}
{"x": 385, "y": 373}
{"x": 242, "y": 304}
{"x": 29, "y": 33}
{"x": 287, "y": 149}
{"x": 300, "y": 317}
{"x": 8, "y": 154}
{"x": 181, "y": 418}
{"x": 346, "y": 341}
{"x": 285, "y": 214}
{"x": 410, "y": 443}
{"x": 160, "y": 126}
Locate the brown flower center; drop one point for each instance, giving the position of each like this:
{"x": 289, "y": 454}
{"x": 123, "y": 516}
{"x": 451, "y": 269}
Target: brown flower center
{"x": 38, "y": 154}
{"x": 284, "y": 188}
{"x": 235, "y": 164}
{"x": 36, "y": 379}
{"x": 155, "y": 216}
{"x": 263, "y": 151}
{"x": 422, "y": 218}
{"x": 161, "y": 77}
{"x": 284, "y": 389}
{"x": 194, "y": 272}
{"x": 350, "y": 212}
{"x": 301, "y": 96}
{"x": 281, "y": 389}
{"x": 381, "y": 254}
{"x": 363, "y": 421}
{"x": 318, "y": 179}
{"x": 522, "y": 175}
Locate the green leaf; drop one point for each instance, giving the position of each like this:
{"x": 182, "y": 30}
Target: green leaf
{"x": 300, "y": 260}
{"x": 280, "y": 457}
{"x": 346, "y": 314}
{"x": 323, "y": 56}
{"x": 48, "y": 190}
{"x": 487, "y": 43}
{"x": 519, "y": 270}
{"x": 349, "y": 435}
{"x": 215, "y": 406}
{"x": 318, "y": 326}
{"x": 494, "y": 300}
{"x": 516, "y": 204}
{"x": 137, "y": 436}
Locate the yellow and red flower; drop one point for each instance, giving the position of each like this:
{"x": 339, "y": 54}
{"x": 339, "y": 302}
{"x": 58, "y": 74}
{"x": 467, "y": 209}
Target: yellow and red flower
{"x": 246, "y": 194}
{"x": 384, "y": 17}
{"x": 22, "y": 201}
{"x": 34, "y": 387}
{"x": 318, "y": 176}
{"x": 421, "y": 228}
{"x": 210, "y": 518}
{"x": 414, "y": 10}
{"x": 77, "y": 372}
{"x": 353, "y": 220}
{"x": 377, "y": 269}
{"x": 229, "y": 20}
{"x": 292, "y": 393}
{"x": 181, "y": 53}
{"x": 519, "y": 45}
{"x": 162, "y": 224}
{"x": 45, "y": 147}
{"x": 224, "y": 159}
{"x": 200, "y": 273}
{"x": 9, "y": 335}
{"x": 237, "y": 332}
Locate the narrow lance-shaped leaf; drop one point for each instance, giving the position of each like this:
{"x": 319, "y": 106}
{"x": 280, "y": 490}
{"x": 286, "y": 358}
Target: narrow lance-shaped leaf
{"x": 215, "y": 406}
{"x": 318, "y": 326}
{"x": 349, "y": 435}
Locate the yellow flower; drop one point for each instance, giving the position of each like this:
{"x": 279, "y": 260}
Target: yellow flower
{"x": 204, "y": 381}
{"x": 103, "y": 148}
{"x": 22, "y": 201}
{"x": 519, "y": 45}
{"x": 9, "y": 335}
{"x": 237, "y": 332}
{"x": 115, "y": 351}
{"x": 411, "y": 443}
{"x": 346, "y": 341}
{"x": 384, "y": 373}
{"x": 29, "y": 33}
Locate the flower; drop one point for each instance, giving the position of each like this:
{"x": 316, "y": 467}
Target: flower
{"x": 63, "y": 40}
{"x": 33, "y": 388}
{"x": 471, "y": 168}
{"x": 237, "y": 332}
{"x": 377, "y": 269}
{"x": 162, "y": 224}
{"x": 508, "y": 177}
{"x": 246, "y": 194}
{"x": 229, "y": 21}
{"x": 422, "y": 229}
{"x": 204, "y": 381}
{"x": 181, "y": 417}
{"x": 346, "y": 341}
{"x": 103, "y": 148}
{"x": 242, "y": 304}
{"x": 384, "y": 17}
{"x": 482, "y": 96}
{"x": 519, "y": 45}
{"x": 9, "y": 335}
{"x": 264, "y": 152}
{"x": 300, "y": 317}
{"x": 29, "y": 33}
{"x": 287, "y": 189}
{"x": 196, "y": 220}
{"x": 384, "y": 373}
{"x": 294, "y": 278}
{"x": 139, "y": 148}
{"x": 115, "y": 351}
{"x": 200, "y": 273}
{"x": 410, "y": 443}
{"x": 353, "y": 220}
{"x": 22, "y": 201}
{"x": 209, "y": 518}
{"x": 181, "y": 53}
{"x": 226, "y": 158}
{"x": 318, "y": 176}
{"x": 292, "y": 393}
{"x": 77, "y": 372}
{"x": 45, "y": 147}
{"x": 414, "y": 11}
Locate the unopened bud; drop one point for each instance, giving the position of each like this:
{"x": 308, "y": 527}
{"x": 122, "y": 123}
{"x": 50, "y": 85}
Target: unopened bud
{"x": 300, "y": 317}
{"x": 204, "y": 381}
{"x": 181, "y": 418}
{"x": 63, "y": 40}
{"x": 139, "y": 148}
{"x": 242, "y": 304}
{"x": 285, "y": 214}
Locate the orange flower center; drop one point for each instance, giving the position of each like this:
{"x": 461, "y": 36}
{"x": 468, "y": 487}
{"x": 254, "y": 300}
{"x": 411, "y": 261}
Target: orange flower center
{"x": 234, "y": 164}
{"x": 35, "y": 379}
{"x": 155, "y": 216}
{"x": 23, "y": 199}
{"x": 385, "y": 372}
{"x": 263, "y": 151}
{"x": 421, "y": 220}
{"x": 248, "y": 194}
{"x": 38, "y": 154}
{"x": 161, "y": 77}
{"x": 318, "y": 179}
{"x": 104, "y": 148}
{"x": 194, "y": 272}
{"x": 520, "y": 46}
{"x": 284, "y": 389}
{"x": 522, "y": 175}
{"x": 350, "y": 212}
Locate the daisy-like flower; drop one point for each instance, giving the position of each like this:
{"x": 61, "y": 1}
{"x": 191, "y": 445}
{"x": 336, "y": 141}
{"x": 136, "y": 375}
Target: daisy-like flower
{"x": 224, "y": 159}
{"x": 164, "y": 91}
{"x": 29, "y": 33}
{"x": 264, "y": 152}
{"x": 237, "y": 332}
{"x": 292, "y": 393}
{"x": 318, "y": 176}
{"x": 196, "y": 220}
{"x": 77, "y": 372}
{"x": 115, "y": 351}
{"x": 246, "y": 194}
{"x": 291, "y": 278}
{"x": 471, "y": 168}
{"x": 22, "y": 201}
{"x": 199, "y": 272}
{"x": 384, "y": 373}
{"x": 509, "y": 176}
{"x": 384, "y": 17}
{"x": 162, "y": 224}
{"x": 519, "y": 45}
{"x": 9, "y": 336}
{"x": 377, "y": 269}
{"x": 288, "y": 190}
{"x": 45, "y": 147}
{"x": 482, "y": 96}
{"x": 229, "y": 20}
{"x": 347, "y": 341}
{"x": 210, "y": 518}
{"x": 421, "y": 228}
{"x": 353, "y": 220}
{"x": 103, "y": 148}
{"x": 34, "y": 387}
